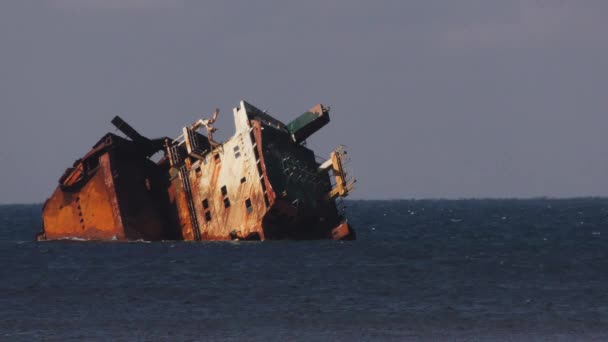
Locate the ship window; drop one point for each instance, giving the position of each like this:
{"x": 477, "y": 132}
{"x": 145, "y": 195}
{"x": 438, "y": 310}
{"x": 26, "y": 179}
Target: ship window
{"x": 198, "y": 172}
{"x": 226, "y": 202}
{"x": 243, "y": 180}
{"x": 248, "y": 205}
{"x": 205, "y": 204}
{"x": 208, "y": 216}
{"x": 217, "y": 158}
{"x": 224, "y": 191}
{"x": 91, "y": 164}
{"x": 237, "y": 155}
{"x": 236, "y": 148}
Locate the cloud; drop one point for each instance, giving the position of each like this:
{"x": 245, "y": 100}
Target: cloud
{"x": 114, "y": 5}
{"x": 533, "y": 22}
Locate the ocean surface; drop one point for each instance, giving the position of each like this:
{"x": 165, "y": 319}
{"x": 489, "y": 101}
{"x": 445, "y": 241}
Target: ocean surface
{"x": 467, "y": 270}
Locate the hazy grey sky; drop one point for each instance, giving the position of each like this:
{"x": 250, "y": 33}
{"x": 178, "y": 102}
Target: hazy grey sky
{"x": 468, "y": 98}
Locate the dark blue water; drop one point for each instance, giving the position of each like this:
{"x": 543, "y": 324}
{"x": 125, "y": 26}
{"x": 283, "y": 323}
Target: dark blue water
{"x": 421, "y": 270}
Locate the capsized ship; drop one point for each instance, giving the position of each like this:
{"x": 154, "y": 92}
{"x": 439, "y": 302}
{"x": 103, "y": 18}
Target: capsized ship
{"x": 262, "y": 183}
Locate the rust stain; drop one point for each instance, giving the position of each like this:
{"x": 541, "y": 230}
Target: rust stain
{"x": 342, "y": 232}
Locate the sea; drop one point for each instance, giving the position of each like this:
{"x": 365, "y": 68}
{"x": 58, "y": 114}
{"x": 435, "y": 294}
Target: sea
{"x": 420, "y": 270}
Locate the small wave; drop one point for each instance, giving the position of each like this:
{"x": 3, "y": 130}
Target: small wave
{"x": 71, "y": 238}
{"x": 138, "y": 241}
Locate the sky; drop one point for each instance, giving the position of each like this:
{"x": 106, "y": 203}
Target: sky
{"x": 433, "y": 99}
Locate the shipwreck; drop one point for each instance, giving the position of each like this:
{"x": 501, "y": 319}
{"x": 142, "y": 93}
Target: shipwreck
{"x": 262, "y": 183}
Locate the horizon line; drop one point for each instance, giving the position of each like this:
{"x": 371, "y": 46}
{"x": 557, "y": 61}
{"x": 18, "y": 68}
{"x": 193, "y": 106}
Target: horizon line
{"x": 551, "y": 198}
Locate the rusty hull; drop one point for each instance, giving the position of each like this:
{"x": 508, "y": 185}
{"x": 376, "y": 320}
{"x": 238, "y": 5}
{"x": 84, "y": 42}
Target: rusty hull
{"x": 262, "y": 183}
{"x": 113, "y": 193}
